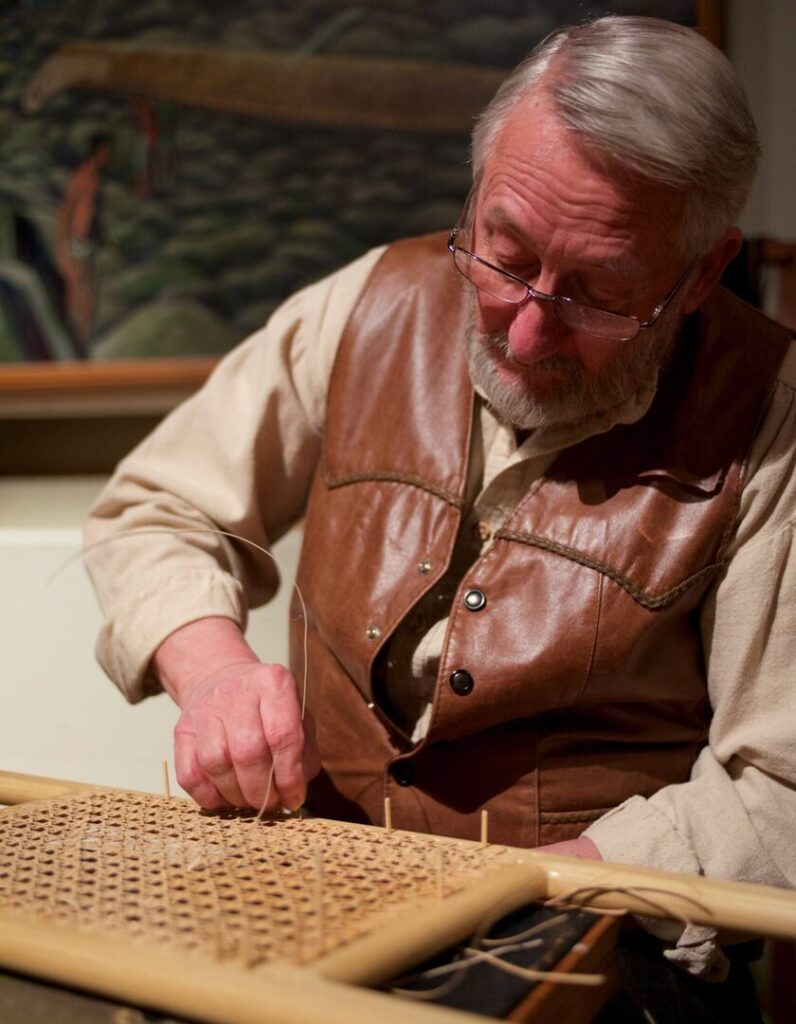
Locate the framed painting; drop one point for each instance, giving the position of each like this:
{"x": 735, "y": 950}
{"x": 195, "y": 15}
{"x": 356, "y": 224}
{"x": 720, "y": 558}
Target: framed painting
{"x": 172, "y": 170}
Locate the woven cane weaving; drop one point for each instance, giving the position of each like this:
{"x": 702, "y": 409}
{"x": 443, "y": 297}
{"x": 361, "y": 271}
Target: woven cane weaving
{"x": 158, "y": 871}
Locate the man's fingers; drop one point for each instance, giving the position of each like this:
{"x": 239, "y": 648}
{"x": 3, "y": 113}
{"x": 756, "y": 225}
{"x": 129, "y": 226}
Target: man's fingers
{"x": 192, "y": 778}
{"x": 252, "y": 760}
{"x": 214, "y": 759}
{"x": 285, "y": 734}
{"x": 242, "y": 740}
{"x": 289, "y": 779}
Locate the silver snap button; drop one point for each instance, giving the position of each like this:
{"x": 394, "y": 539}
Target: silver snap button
{"x": 475, "y": 600}
{"x": 425, "y": 566}
{"x": 373, "y": 632}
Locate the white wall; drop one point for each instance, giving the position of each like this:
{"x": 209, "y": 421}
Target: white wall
{"x": 59, "y": 715}
{"x": 760, "y": 41}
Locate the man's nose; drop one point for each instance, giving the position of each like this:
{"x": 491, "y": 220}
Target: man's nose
{"x": 535, "y": 332}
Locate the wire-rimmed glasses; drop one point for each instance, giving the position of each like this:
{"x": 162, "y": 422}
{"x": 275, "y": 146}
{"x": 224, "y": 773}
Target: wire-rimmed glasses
{"x": 507, "y": 287}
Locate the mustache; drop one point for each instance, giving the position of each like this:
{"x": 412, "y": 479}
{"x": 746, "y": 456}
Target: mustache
{"x": 498, "y": 341}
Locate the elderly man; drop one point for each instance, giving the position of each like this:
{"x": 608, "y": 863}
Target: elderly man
{"x": 547, "y": 474}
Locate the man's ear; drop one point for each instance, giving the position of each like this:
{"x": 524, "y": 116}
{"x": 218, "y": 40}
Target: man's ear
{"x": 711, "y": 267}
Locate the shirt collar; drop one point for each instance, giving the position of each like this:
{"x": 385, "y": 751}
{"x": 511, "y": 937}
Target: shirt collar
{"x": 555, "y": 438}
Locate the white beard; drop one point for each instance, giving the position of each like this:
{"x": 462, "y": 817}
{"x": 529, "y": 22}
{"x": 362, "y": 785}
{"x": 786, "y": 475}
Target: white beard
{"x": 524, "y": 403}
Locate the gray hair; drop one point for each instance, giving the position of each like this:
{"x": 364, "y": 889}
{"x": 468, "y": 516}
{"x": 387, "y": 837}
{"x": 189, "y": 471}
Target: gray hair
{"x": 653, "y": 97}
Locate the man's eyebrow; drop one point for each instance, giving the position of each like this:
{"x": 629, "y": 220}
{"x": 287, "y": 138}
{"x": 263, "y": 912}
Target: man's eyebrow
{"x": 620, "y": 265}
{"x": 500, "y": 217}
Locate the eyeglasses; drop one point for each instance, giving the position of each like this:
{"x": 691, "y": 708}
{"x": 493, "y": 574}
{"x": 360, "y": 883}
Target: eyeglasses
{"x": 506, "y": 287}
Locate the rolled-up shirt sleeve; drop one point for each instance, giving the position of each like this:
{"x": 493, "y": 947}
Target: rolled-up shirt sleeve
{"x": 236, "y": 458}
{"x": 736, "y": 817}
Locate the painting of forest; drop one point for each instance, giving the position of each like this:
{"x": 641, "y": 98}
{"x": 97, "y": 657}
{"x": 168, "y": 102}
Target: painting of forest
{"x": 171, "y": 170}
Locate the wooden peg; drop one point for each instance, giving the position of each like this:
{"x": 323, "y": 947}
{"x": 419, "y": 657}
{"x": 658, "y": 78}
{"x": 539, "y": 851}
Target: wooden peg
{"x": 387, "y": 815}
{"x": 484, "y": 828}
{"x": 166, "y": 786}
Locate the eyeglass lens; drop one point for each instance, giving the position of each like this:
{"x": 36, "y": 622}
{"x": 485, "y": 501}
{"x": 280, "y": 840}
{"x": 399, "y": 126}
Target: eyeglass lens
{"x": 495, "y": 282}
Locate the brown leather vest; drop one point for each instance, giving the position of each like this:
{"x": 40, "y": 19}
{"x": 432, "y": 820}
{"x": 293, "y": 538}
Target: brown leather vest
{"x": 588, "y": 680}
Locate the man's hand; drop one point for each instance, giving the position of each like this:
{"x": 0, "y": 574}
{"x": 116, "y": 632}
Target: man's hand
{"x": 580, "y": 847}
{"x": 240, "y": 720}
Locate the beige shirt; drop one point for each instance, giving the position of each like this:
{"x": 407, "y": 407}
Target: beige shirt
{"x": 240, "y": 455}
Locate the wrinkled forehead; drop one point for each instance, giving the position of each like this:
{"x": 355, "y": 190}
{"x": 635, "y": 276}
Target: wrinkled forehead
{"x": 539, "y": 173}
